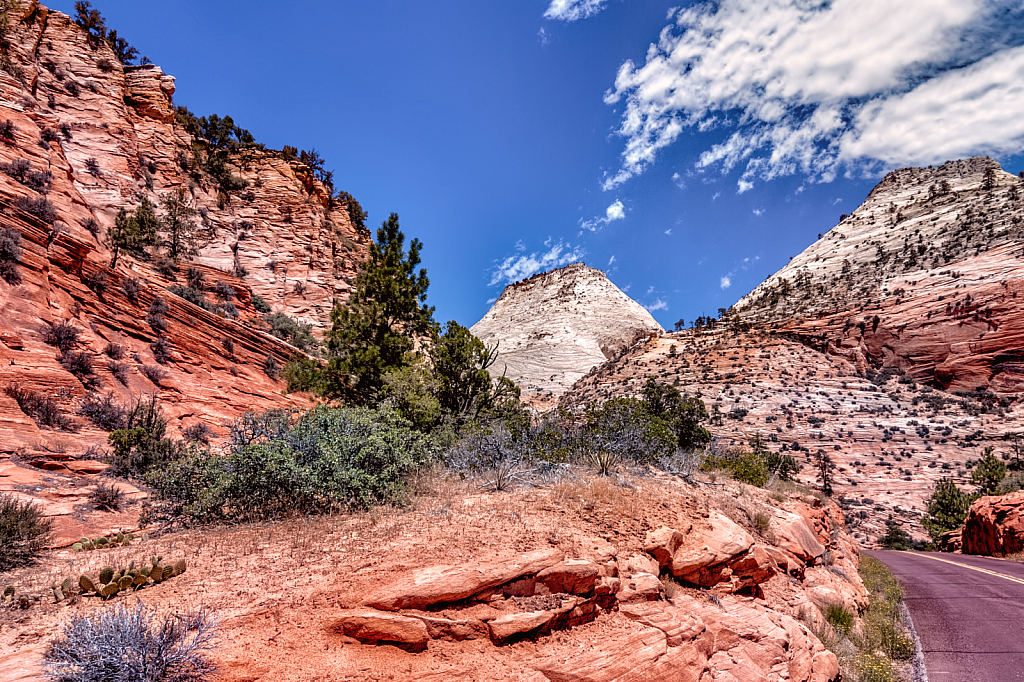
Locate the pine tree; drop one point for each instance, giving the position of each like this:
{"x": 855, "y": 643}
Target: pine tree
{"x": 947, "y": 508}
{"x": 988, "y": 473}
{"x": 373, "y": 334}
{"x": 180, "y": 232}
{"x": 133, "y": 232}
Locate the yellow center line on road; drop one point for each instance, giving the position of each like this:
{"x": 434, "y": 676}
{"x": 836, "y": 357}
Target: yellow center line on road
{"x": 973, "y": 568}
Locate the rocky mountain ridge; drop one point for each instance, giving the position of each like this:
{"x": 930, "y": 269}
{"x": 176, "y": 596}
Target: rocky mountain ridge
{"x": 892, "y": 344}
{"x": 552, "y": 328}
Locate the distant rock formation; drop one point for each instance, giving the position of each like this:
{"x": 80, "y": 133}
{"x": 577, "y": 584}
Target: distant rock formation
{"x": 894, "y": 343}
{"x": 554, "y": 327}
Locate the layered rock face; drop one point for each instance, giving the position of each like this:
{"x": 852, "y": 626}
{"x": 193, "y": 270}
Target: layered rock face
{"x": 889, "y": 344}
{"x": 90, "y": 137}
{"x": 650, "y": 628}
{"x": 995, "y": 525}
{"x": 552, "y": 328}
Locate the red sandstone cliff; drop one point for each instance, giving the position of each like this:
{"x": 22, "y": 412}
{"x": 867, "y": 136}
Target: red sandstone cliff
{"x": 107, "y": 136}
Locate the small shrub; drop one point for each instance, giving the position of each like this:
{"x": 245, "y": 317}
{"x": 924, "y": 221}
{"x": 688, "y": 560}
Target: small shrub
{"x": 10, "y": 254}
{"x": 93, "y": 167}
{"x": 133, "y": 643}
{"x": 154, "y": 373}
{"x": 107, "y": 496}
{"x": 80, "y": 364}
{"x": 193, "y": 296}
{"x": 42, "y": 409}
{"x": 103, "y": 411}
{"x": 839, "y": 617}
{"x": 239, "y": 271}
{"x": 290, "y": 331}
{"x": 259, "y": 304}
{"x": 21, "y": 171}
{"x": 224, "y": 291}
{"x": 198, "y": 433}
{"x": 40, "y": 208}
{"x": 72, "y": 88}
{"x": 229, "y": 309}
{"x": 65, "y": 130}
{"x": 7, "y": 130}
{"x": 114, "y": 351}
{"x": 120, "y": 370}
{"x": 48, "y": 135}
{"x": 271, "y": 367}
{"x": 229, "y": 345}
{"x": 92, "y": 227}
{"x": 166, "y": 267}
{"x": 762, "y": 522}
{"x": 96, "y": 280}
{"x": 62, "y": 335}
{"x": 155, "y": 315}
{"x": 161, "y": 350}
{"x": 132, "y": 287}
{"x": 196, "y": 279}
{"x": 24, "y": 532}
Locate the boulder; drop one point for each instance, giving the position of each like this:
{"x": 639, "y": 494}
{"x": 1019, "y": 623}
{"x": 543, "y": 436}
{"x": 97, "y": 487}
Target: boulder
{"x": 454, "y": 630}
{"x": 753, "y": 568}
{"x": 377, "y": 627}
{"x": 702, "y": 556}
{"x": 445, "y": 584}
{"x": 951, "y": 541}
{"x": 572, "y": 576}
{"x": 795, "y": 534}
{"x": 519, "y": 624}
{"x": 639, "y": 587}
{"x": 995, "y": 525}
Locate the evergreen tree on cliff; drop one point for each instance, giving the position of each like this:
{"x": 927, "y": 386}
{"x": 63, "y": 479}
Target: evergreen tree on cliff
{"x": 373, "y": 334}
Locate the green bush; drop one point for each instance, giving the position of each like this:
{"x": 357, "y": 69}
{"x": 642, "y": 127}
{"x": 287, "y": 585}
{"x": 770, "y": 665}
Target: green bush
{"x": 744, "y": 466}
{"x": 142, "y": 444}
{"x": 329, "y": 459}
{"x": 839, "y": 617}
{"x": 24, "y": 532}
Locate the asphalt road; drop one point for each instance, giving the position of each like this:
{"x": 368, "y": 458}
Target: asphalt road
{"x": 968, "y": 612}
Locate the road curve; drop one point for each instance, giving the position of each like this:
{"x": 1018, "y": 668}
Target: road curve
{"x": 968, "y": 612}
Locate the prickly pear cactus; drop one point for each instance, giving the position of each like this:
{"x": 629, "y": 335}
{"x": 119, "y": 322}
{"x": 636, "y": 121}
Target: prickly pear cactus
{"x": 58, "y": 595}
{"x": 77, "y": 547}
{"x": 125, "y": 582}
{"x": 179, "y": 567}
{"x": 106, "y": 574}
{"x": 109, "y": 590}
{"x": 87, "y": 585}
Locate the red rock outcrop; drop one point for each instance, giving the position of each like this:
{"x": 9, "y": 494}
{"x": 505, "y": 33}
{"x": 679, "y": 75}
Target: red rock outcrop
{"x": 995, "y": 525}
{"x": 96, "y": 137}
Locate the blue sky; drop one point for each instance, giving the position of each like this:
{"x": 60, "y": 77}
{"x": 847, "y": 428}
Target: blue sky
{"x": 687, "y": 150}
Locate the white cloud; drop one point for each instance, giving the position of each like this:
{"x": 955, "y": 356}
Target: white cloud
{"x": 821, "y": 87}
{"x": 759, "y": 212}
{"x": 519, "y": 267}
{"x": 571, "y": 10}
{"x": 717, "y": 194}
{"x": 611, "y": 260}
{"x": 614, "y": 212}
{"x": 542, "y": 36}
{"x": 678, "y": 180}
{"x": 669, "y": 231}
{"x": 659, "y": 304}
{"x": 744, "y": 186}
{"x": 725, "y": 282}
